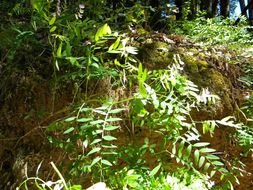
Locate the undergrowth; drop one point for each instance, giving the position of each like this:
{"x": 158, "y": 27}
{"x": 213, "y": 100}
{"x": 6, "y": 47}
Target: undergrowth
{"x": 83, "y": 50}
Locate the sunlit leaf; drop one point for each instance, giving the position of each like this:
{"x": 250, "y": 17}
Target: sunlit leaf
{"x": 196, "y": 156}
{"x": 69, "y": 130}
{"x": 201, "y": 161}
{"x": 94, "y": 150}
{"x": 106, "y": 162}
{"x": 109, "y": 138}
{"x": 217, "y": 163}
{"x": 201, "y": 144}
{"x": 155, "y": 170}
{"x": 70, "y": 119}
{"x": 95, "y": 141}
{"x": 94, "y": 161}
{"x": 52, "y": 21}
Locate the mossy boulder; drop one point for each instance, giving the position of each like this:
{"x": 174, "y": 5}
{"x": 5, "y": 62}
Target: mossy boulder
{"x": 155, "y": 55}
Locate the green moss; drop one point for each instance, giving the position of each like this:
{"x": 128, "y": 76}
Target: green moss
{"x": 155, "y": 55}
{"x": 194, "y": 64}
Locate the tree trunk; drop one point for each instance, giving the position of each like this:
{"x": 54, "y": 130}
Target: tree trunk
{"x": 194, "y": 9}
{"x": 179, "y": 4}
{"x": 224, "y": 7}
{"x": 250, "y": 12}
{"x": 214, "y": 8}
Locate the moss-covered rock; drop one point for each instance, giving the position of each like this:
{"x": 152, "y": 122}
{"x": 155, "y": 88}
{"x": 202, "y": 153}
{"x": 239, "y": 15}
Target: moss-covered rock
{"x": 155, "y": 55}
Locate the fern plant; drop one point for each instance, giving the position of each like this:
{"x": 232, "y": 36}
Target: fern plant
{"x": 88, "y": 136}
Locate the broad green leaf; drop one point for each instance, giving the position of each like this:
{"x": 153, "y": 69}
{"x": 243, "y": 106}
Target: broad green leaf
{"x": 174, "y": 149}
{"x": 99, "y": 131}
{"x": 114, "y": 111}
{"x": 111, "y": 128}
{"x": 113, "y": 119}
{"x": 188, "y": 152}
{"x": 52, "y": 29}
{"x": 201, "y": 161}
{"x": 52, "y": 21}
{"x": 70, "y": 119}
{"x": 201, "y": 144}
{"x": 217, "y": 163}
{"x": 109, "y": 153}
{"x": 114, "y": 45}
{"x": 180, "y": 149}
{"x": 155, "y": 170}
{"x": 59, "y": 50}
{"x": 206, "y": 166}
{"x": 109, "y": 138}
{"x": 108, "y": 146}
{"x": 207, "y": 150}
{"x": 106, "y": 162}
{"x": 103, "y": 31}
{"x": 100, "y": 112}
{"x": 83, "y": 120}
{"x": 223, "y": 170}
{"x": 212, "y": 157}
{"x": 69, "y": 130}
{"x": 74, "y": 187}
{"x": 94, "y": 150}
{"x": 212, "y": 173}
{"x": 97, "y": 122}
{"x": 196, "y": 156}
{"x": 95, "y": 141}
{"x": 94, "y": 161}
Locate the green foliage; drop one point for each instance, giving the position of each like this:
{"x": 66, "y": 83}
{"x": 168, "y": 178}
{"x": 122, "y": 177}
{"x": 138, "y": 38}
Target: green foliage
{"x": 92, "y": 129}
{"x": 216, "y": 32}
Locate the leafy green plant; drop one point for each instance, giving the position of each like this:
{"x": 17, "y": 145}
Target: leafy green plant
{"x": 32, "y": 182}
{"x": 216, "y": 31}
{"x": 89, "y": 137}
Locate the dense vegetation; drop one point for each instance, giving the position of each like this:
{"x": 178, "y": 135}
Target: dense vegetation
{"x": 131, "y": 93}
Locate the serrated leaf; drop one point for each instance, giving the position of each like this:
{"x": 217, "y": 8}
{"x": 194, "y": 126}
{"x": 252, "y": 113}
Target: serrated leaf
{"x": 207, "y": 150}
{"x": 94, "y": 161}
{"x": 106, "y": 162}
{"x": 83, "y": 120}
{"x": 201, "y": 161}
{"x": 94, "y": 150}
{"x": 114, "y": 111}
{"x": 196, "y": 156}
{"x": 97, "y": 122}
{"x": 113, "y": 119}
{"x": 155, "y": 170}
{"x": 217, "y": 163}
{"x": 95, "y": 141}
{"x": 109, "y": 138}
{"x": 69, "y": 130}
{"x": 201, "y": 144}
{"x": 70, "y": 119}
